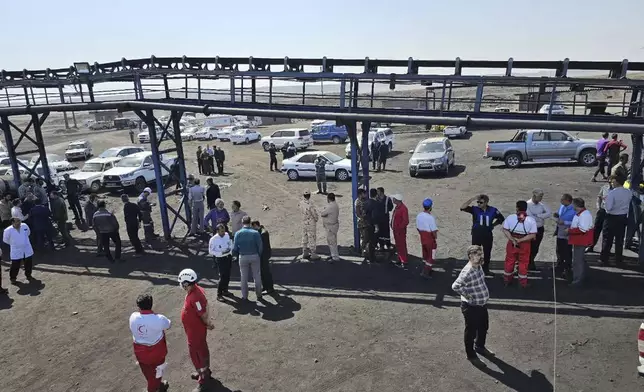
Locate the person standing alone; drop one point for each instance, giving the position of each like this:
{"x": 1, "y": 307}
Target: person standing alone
{"x": 320, "y": 174}
{"x": 426, "y": 226}
{"x": 21, "y": 252}
{"x": 601, "y": 158}
{"x": 196, "y": 198}
{"x": 272, "y": 153}
{"x": 330, "y": 214}
{"x": 150, "y": 347}
{"x": 399, "y": 223}
{"x": 309, "y": 227}
{"x": 471, "y": 285}
{"x": 484, "y": 219}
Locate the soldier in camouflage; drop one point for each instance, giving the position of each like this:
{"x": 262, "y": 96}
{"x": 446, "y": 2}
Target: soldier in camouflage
{"x": 362, "y": 222}
{"x": 309, "y": 219}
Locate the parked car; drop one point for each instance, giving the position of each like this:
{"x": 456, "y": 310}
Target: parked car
{"x": 224, "y": 133}
{"x": 502, "y": 110}
{"x": 124, "y": 123}
{"x": 99, "y": 125}
{"x": 301, "y": 138}
{"x": 56, "y": 179}
{"x": 56, "y": 161}
{"x": 556, "y": 109}
{"x": 329, "y": 132}
{"x": 453, "y": 132}
{"x": 91, "y": 175}
{"x": 189, "y": 133}
{"x": 206, "y": 133}
{"x": 432, "y": 155}
{"x": 542, "y": 145}
{"x": 120, "y": 152}
{"x": 381, "y": 134}
{"x": 303, "y": 165}
{"x": 245, "y": 136}
{"x": 144, "y": 137}
{"x": 134, "y": 171}
{"x": 5, "y": 164}
{"x": 80, "y": 149}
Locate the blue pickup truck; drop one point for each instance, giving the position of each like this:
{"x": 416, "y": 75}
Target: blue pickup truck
{"x": 329, "y": 132}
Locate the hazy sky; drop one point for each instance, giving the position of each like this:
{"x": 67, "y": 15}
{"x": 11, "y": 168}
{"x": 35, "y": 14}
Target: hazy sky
{"x": 38, "y": 34}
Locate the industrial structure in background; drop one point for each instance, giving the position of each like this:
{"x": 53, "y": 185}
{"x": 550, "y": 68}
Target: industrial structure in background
{"x": 166, "y": 84}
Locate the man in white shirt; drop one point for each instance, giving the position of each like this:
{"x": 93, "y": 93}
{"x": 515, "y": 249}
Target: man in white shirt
{"x": 17, "y": 237}
{"x": 580, "y": 235}
{"x": 617, "y": 204}
{"x": 426, "y": 226}
{"x": 601, "y": 215}
{"x": 221, "y": 247}
{"x": 196, "y": 198}
{"x": 150, "y": 348}
{"x": 16, "y": 210}
{"x": 520, "y": 229}
{"x": 539, "y": 211}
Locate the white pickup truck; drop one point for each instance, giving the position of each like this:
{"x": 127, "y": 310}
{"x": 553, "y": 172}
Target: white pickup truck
{"x": 134, "y": 171}
{"x": 91, "y": 175}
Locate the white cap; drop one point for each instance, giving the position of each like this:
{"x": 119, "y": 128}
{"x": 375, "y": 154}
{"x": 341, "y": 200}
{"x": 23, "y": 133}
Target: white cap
{"x": 187, "y": 275}
{"x": 148, "y": 190}
{"x": 397, "y": 196}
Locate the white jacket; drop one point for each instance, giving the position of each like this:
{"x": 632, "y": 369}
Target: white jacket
{"x": 220, "y": 246}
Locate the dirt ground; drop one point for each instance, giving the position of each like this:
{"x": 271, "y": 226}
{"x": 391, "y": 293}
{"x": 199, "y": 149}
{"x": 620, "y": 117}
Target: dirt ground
{"x": 339, "y": 327}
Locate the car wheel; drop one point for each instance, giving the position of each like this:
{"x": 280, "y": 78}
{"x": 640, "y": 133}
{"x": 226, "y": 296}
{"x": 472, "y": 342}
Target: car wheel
{"x": 341, "y": 175}
{"x": 247, "y": 141}
{"x": 140, "y": 184}
{"x": 336, "y": 140}
{"x": 266, "y": 146}
{"x": 292, "y": 175}
{"x": 95, "y": 187}
{"x": 446, "y": 172}
{"x": 588, "y": 157}
{"x": 391, "y": 147}
{"x": 412, "y": 173}
{"x": 513, "y": 160}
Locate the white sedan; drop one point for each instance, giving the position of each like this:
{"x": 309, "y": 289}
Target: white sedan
{"x": 189, "y": 133}
{"x": 244, "y": 136}
{"x": 303, "y": 165}
{"x": 206, "y": 133}
{"x": 452, "y": 132}
{"x": 56, "y": 161}
{"x": 225, "y": 133}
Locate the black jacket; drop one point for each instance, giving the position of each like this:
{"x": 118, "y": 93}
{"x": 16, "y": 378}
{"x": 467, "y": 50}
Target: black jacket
{"x": 220, "y": 155}
{"x": 266, "y": 243}
{"x": 132, "y": 214}
{"x": 212, "y": 194}
{"x": 373, "y": 212}
{"x": 74, "y": 187}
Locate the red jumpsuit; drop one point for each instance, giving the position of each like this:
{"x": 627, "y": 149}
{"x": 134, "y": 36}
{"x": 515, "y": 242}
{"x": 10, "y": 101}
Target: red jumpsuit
{"x": 194, "y": 307}
{"x": 149, "y": 358}
{"x": 399, "y": 223}
{"x": 519, "y": 227}
{"x": 426, "y": 226}
{"x": 150, "y": 348}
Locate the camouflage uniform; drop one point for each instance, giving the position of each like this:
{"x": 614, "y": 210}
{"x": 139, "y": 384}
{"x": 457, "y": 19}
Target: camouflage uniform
{"x": 309, "y": 220}
{"x": 363, "y": 225}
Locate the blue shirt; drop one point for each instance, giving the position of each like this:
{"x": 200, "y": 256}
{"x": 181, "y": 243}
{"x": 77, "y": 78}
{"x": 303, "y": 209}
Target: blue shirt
{"x": 216, "y": 217}
{"x": 566, "y": 214}
{"x": 247, "y": 242}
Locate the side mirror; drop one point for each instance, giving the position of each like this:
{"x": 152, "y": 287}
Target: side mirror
{"x": 570, "y": 138}
{"x": 450, "y": 149}
{"x": 411, "y": 151}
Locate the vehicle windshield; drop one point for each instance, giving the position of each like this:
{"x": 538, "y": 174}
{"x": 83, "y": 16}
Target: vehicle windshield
{"x": 109, "y": 153}
{"x": 331, "y": 157}
{"x": 424, "y": 148}
{"x": 50, "y": 158}
{"x": 92, "y": 167}
{"x": 130, "y": 162}
{"x": 240, "y": 132}
{"x": 74, "y": 146}
{"x": 191, "y": 130}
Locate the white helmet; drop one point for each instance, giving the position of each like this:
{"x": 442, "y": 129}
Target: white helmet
{"x": 187, "y": 276}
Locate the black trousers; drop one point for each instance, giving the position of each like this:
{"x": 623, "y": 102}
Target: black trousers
{"x": 105, "y": 241}
{"x": 15, "y": 267}
{"x": 200, "y": 165}
{"x": 476, "y": 326}
{"x": 382, "y": 163}
{"x": 371, "y": 244}
{"x": 534, "y": 247}
{"x": 614, "y": 230}
{"x": 273, "y": 163}
{"x": 564, "y": 254}
{"x": 75, "y": 205}
{"x": 267, "y": 276}
{"x": 220, "y": 167}
{"x": 599, "y": 225}
{"x": 133, "y": 235}
{"x": 41, "y": 236}
{"x": 225, "y": 265}
{"x": 601, "y": 169}
{"x": 485, "y": 240}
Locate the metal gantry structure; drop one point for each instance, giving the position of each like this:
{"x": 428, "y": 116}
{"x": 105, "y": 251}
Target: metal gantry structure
{"x": 252, "y": 89}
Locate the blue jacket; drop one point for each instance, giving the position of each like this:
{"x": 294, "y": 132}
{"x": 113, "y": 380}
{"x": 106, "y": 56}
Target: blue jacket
{"x": 566, "y": 214}
{"x": 40, "y": 217}
{"x": 247, "y": 242}
{"x": 215, "y": 217}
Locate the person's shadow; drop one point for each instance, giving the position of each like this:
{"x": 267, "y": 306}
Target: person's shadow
{"x": 32, "y": 288}
{"x": 217, "y": 386}
{"x": 284, "y": 308}
{"x": 517, "y": 380}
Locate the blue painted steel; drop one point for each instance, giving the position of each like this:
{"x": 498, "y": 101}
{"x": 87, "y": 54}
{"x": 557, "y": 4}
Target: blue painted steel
{"x": 551, "y": 102}
{"x": 176, "y": 116}
{"x": 355, "y": 174}
{"x": 154, "y": 147}
{"x": 479, "y": 98}
{"x": 343, "y": 91}
{"x": 40, "y": 143}
{"x": 364, "y": 145}
{"x": 11, "y": 150}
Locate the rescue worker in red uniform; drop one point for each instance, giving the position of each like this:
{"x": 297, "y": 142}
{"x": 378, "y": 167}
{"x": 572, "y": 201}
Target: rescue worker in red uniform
{"x": 426, "y": 225}
{"x": 399, "y": 223}
{"x": 150, "y": 349}
{"x": 196, "y": 323}
{"x": 520, "y": 229}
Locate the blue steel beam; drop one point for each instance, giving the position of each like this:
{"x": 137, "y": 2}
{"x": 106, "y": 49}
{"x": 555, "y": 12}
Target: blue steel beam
{"x": 364, "y": 145}
{"x": 38, "y": 121}
{"x": 355, "y": 174}
{"x": 176, "y": 117}
{"x": 11, "y": 151}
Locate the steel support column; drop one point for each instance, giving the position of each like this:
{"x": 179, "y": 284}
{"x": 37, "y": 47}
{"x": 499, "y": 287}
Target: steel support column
{"x": 154, "y": 144}
{"x": 13, "y": 159}
{"x": 183, "y": 182}
{"x": 364, "y": 146}
{"x": 40, "y": 143}
{"x": 355, "y": 174}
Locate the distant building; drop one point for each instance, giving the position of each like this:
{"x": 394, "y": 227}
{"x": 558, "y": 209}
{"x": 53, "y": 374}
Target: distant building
{"x": 105, "y": 115}
{"x": 533, "y": 101}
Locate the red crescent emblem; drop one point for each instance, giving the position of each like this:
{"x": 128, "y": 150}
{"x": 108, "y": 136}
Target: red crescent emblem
{"x": 142, "y": 330}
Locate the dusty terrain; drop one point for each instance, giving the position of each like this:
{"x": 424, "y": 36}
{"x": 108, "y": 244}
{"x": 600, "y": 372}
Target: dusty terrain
{"x": 340, "y": 327}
